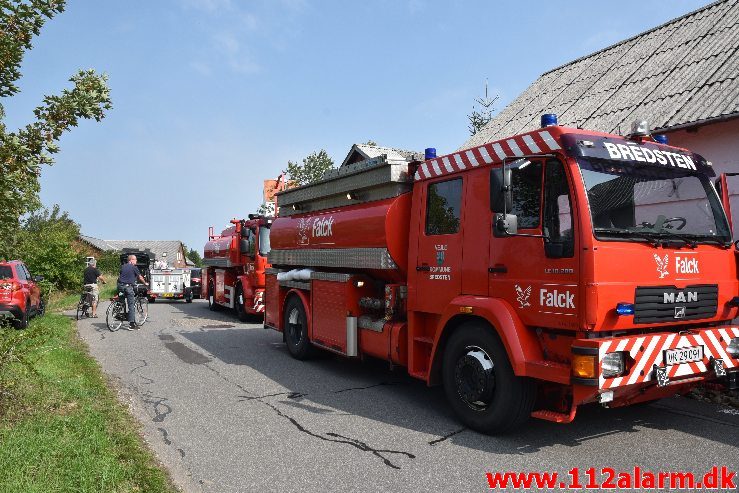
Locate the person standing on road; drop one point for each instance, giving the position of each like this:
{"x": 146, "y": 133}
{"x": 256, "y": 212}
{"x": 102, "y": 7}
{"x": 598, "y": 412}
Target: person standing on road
{"x": 126, "y": 283}
{"x": 90, "y": 280}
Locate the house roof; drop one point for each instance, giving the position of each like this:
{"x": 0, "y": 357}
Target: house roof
{"x": 681, "y": 73}
{"x": 360, "y": 152}
{"x": 96, "y": 242}
{"x": 155, "y": 248}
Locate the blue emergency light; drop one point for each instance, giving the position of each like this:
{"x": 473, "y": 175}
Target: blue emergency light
{"x": 548, "y": 119}
{"x": 625, "y": 308}
{"x": 430, "y": 153}
{"x": 662, "y": 139}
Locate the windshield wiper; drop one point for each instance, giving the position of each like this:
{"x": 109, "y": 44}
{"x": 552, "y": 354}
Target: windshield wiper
{"x": 669, "y": 234}
{"x": 628, "y": 233}
{"x": 709, "y": 239}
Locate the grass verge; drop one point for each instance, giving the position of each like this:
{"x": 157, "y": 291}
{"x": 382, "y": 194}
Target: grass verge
{"x": 62, "y": 428}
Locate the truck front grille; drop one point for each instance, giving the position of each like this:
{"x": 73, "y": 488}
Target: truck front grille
{"x": 669, "y": 303}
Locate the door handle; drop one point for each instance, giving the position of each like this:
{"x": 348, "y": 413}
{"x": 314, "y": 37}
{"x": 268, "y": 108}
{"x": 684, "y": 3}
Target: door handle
{"x": 499, "y": 269}
{"x": 423, "y": 268}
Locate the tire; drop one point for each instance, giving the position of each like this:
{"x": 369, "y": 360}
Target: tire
{"x": 296, "y": 329}
{"x": 142, "y": 311}
{"x": 479, "y": 382}
{"x": 112, "y": 316}
{"x": 41, "y": 310}
{"x": 22, "y": 323}
{"x": 239, "y": 304}
{"x": 80, "y": 310}
{"x": 211, "y": 298}
{"x": 188, "y": 296}
{"x": 152, "y": 300}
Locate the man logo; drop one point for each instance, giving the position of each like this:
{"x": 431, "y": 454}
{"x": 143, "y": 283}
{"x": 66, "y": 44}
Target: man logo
{"x": 679, "y": 312}
{"x": 662, "y": 265}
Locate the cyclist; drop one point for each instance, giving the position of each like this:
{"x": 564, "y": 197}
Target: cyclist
{"x": 90, "y": 280}
{"x": 126, "y": 283}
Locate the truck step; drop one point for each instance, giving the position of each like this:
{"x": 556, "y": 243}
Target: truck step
{"x": 555, "y": 416}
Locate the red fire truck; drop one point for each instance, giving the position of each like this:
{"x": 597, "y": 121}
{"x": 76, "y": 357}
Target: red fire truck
{"x": 234, "y": 264}
{"x": 529, "y": 275}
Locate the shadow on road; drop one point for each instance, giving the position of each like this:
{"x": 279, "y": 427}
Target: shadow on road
{"x": 330, "y": 384}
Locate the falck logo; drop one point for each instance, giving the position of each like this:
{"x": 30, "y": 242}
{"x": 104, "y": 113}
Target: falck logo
{"x": 662, "y": 265}
{"x": 522, "y": 296}
{"x": 303, "y": 226}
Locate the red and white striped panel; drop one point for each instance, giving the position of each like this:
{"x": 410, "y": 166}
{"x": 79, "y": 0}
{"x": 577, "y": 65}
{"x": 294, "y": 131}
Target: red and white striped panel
{"x": 714, "y": 342}
{"x": 259, "y": 302}
{"x": 536, "y": 142}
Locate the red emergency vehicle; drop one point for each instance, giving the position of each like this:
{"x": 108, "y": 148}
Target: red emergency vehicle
{"x": 529, "y": 275}
{"x": 234, "y": 264}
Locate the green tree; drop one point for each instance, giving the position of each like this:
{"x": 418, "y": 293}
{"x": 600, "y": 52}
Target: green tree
{"x": 45, "y": 242}
{"x": 480, "y": 118}
{"x": 311, "y": 169}
{"x": 23, "y": 152}
{"x": 195, "y": 257}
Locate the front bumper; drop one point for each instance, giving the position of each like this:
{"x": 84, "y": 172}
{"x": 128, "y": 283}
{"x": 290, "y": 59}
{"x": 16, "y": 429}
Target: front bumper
{"x": 645, "y": 358}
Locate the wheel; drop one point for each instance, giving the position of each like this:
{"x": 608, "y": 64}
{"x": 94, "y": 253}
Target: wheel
{"x": 239, "y": 305}
{"x": 152, "y": 300}
{"x": 41, "y": 307}
{"x": 113, "y": 316}
{"x": 188, "y": 296}
{"x": 480, "y": 384}
{"x": 296, "y": 329}
{"x": 80, "y": 310}
{"x": 22, "y": 323}
{"x": 142, "y": 311}
{"x": 211, "y": 298}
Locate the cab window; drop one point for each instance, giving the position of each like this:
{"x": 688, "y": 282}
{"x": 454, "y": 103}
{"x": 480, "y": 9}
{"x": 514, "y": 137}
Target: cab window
{"x": 526, "y": 191}
{"x": 443, "y": 207}
{"x": 558, "y": 210}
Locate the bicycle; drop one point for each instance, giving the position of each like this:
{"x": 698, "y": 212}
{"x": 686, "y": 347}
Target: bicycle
{"x": 85, "y": 303}
{"x": 117, "y": 313}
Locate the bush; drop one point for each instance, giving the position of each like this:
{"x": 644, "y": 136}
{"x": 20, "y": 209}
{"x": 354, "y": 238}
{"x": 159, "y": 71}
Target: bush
{"x": 45, "y": 242}
{"x": 109, "y": 261}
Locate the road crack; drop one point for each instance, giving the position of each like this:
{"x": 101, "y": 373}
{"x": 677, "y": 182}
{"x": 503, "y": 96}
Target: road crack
{"x": 330, "y": 436}
{"x": 447, "y": 436}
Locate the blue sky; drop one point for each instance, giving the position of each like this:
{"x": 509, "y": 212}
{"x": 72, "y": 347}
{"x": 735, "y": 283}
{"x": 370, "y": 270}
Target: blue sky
{"x": 213, "y": 96}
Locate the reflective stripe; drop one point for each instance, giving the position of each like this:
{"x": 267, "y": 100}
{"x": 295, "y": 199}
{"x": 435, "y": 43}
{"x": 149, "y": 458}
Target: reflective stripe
{"x": 499, "y": 151}
{"x": 531, "y": 144}
{"x": 472, "y": 158}
{"x": 548, "y": 140}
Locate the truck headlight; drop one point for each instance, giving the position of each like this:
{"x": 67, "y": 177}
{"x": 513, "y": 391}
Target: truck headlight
{"x": 733, "y": 348}
{"x": 613, "y": 365}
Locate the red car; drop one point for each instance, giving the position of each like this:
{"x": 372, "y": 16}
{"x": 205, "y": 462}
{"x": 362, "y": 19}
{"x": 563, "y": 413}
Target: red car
{"x": 20, "y": 296}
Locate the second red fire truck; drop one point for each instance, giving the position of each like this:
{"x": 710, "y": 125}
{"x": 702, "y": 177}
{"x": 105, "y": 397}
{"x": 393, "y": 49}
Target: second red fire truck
{"x": 528, "y": 276}
{"x": 234, "y": 264}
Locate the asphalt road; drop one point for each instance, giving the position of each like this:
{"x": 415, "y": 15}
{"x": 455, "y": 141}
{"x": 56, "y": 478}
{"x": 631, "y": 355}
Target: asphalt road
{"x": 226, "y": 409}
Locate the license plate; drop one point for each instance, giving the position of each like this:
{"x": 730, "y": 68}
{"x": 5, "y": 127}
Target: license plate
{"x": 167, "y": 295}
{"x": 683, "y": 355}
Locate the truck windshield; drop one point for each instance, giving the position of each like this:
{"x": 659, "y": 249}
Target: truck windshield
{"x": 649, "y": 203}
{"x": 264, "y": 240}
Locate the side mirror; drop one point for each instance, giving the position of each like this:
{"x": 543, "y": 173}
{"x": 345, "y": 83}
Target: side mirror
{"x": 505, "y": 225}
{"x": 38, "y": 278}
{"x": 501, "y": 197}
{"x": 244, "y": 245}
